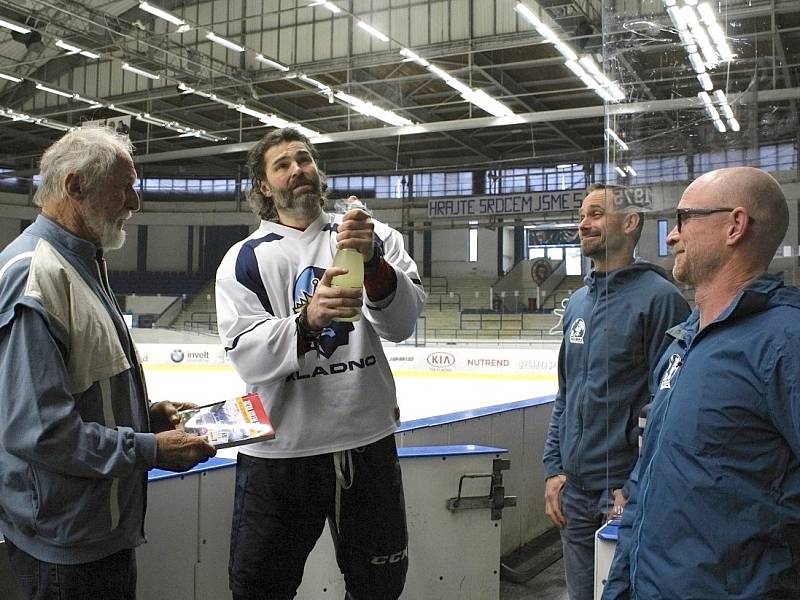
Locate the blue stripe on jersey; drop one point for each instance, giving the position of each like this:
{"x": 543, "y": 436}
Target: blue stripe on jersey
{"x": 247, "y": 272}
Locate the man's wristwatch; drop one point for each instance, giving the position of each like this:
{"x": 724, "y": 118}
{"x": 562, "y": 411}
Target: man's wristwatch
{"x": 372, "y": 264}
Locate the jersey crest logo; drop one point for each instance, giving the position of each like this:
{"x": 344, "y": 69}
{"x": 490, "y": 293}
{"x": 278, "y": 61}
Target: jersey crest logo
{"x": 576, "y": 331}
{"x": 335, "y": 334}
{"x": 672, "y": 370}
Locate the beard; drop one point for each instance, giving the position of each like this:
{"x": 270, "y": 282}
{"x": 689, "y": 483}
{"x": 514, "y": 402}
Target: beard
{"x": 696, "y": 269}
{"x": 307, "y": 205}
{"x": 592, "y": 247}
{"x": 110, "y": 233}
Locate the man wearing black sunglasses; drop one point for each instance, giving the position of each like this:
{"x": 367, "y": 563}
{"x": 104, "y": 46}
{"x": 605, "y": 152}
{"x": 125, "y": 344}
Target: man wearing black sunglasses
{"x": 716, "y": 510}
{"x": 613, "y": 335}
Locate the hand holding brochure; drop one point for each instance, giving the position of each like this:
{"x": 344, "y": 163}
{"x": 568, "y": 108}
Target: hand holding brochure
{"x": 233, "y": 422}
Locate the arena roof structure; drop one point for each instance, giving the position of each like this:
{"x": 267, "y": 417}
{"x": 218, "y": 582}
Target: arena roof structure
{"x": 395, "y": 85}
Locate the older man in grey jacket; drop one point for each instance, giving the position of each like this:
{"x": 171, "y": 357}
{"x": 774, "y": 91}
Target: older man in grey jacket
{"x": 77, "y": 433}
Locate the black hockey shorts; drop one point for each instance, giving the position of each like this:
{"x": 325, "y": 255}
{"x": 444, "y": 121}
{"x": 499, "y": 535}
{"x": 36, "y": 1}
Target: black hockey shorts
{"x": 280, "y": 510}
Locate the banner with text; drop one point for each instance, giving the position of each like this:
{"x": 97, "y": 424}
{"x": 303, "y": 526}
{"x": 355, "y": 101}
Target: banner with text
{"x": 511, "y": 204}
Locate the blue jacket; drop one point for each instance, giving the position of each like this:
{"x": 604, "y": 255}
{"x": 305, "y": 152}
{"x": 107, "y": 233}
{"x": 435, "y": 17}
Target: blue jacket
{"x": 614, "y": 332}
{"x": 73, "y": 408}
{"x": 716, "y": 510}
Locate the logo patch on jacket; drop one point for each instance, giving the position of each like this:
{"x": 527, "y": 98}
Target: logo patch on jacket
{"x": 335, "y": 334}
{"x": 576, "y": 331}
{"x": 672, "y": 370}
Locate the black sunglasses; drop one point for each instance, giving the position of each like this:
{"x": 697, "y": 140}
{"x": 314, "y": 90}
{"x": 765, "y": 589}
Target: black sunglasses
{"x": 684, "y": 214}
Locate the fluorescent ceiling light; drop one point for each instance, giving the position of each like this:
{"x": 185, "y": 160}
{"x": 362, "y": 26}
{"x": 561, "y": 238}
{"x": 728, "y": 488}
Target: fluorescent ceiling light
{"x": 369, "y": 109}
{"x": 727, "y": 111}
{"x": 700, "y": 35}
{"x": 271, "y": 63}
{"x": 75, "y": 50}
{"x": 720, "y": 97}
{"x": 631, "y": 170}
{"x": 372, "y": 31}
{"x": 706, "y": 13}
{"x": 621, "y": 172}
{"x": 315, "y": 83}
{"x": 223, "y": 42}
{"x": 67, "y": 47}
{"x": 715, "y": 31}
{"x": 566, "y": 51}
{"x": 415, "y": 57}
{"x": 677, "y": 18}
{"x": 705, "y": 81}
{"x": 325, "y": 4}
{"x": 146, "y": 118}
{"x": 719, "y": 125}
{"x": 159, "y": 12}
{"x": 251, "y": 112}
{"x": 616, "y": 138}
{"x": 50, "y": 90}
{"x": 485, "y": 102}
{"x": 185, "y": 89}
{"x": 222, "y": 101}
{"x": 80, "y": 98}
{"x": 54, "y": 125}
{"x": 587, "y": 62}
{"x": 13, "y": 26}
{"x": 10, "y": 78}
{"x": 528, "y": 14}
{"x": 138, "y": 71}
{"x": 309, "y": 133}
{"x": 575, "y": 68}
{"x": 733, "y": 124}
{"x": 686, "y": 38}
{"x": 697, "y": 63}
{"x": 123, "y": 110}
{"x": 449, "y": 80}
{"x": 616, "y": 92}
{"x": 705, "y": 98}
{"x": 712, "y": 112}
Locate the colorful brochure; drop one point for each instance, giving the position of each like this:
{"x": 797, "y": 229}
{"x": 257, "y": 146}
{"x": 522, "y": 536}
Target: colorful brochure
{"x": 233, "y": 422}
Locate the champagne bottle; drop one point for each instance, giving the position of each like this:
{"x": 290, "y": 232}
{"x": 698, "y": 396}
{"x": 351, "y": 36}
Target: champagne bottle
{"x": 352, "y": 260}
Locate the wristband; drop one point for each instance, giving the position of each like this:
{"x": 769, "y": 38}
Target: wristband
{"x": 372, "y": 264}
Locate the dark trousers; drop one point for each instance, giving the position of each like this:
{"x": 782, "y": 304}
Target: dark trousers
{"x": 280, "y": 509}
{"x": 585, "y": 512}
{"x": 110, "y": 578}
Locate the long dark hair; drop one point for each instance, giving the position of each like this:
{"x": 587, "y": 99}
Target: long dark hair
{"x": 262, "y": 205}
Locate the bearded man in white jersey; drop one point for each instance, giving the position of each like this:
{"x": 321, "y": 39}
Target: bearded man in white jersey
{"x": 327, "y": 384}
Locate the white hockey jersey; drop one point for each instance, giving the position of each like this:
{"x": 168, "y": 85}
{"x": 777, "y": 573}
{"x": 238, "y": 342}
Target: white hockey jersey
{"x": 345, "y": 397}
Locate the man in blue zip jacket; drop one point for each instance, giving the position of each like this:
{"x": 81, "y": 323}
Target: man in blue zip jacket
{"x": 613, "y": 335}
{"x": 716, "y": 510}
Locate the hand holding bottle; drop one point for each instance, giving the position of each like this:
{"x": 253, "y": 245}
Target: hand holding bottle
{"x": 332, "y": 303}
{"x": 354, "y": 244}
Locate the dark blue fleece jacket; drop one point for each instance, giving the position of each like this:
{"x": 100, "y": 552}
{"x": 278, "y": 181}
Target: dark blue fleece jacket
{"x": 614, "y": 332}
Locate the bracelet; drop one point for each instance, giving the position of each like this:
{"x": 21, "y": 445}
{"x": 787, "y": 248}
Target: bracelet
{"x": 304, "y": 329}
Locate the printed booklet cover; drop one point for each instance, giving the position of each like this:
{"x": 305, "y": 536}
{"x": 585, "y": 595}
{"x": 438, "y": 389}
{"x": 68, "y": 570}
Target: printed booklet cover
{"x": 233, "y": 422}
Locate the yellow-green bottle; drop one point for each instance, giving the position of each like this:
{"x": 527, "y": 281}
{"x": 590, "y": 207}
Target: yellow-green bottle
{"x": 350, "y": 259}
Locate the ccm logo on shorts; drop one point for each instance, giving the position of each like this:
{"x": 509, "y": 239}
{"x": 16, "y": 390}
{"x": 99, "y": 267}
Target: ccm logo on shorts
{"x": 390, "y": 558}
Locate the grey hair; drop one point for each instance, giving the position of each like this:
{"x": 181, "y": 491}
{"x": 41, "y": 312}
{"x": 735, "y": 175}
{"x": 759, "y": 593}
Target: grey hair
{"x": 88, "y": 151}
